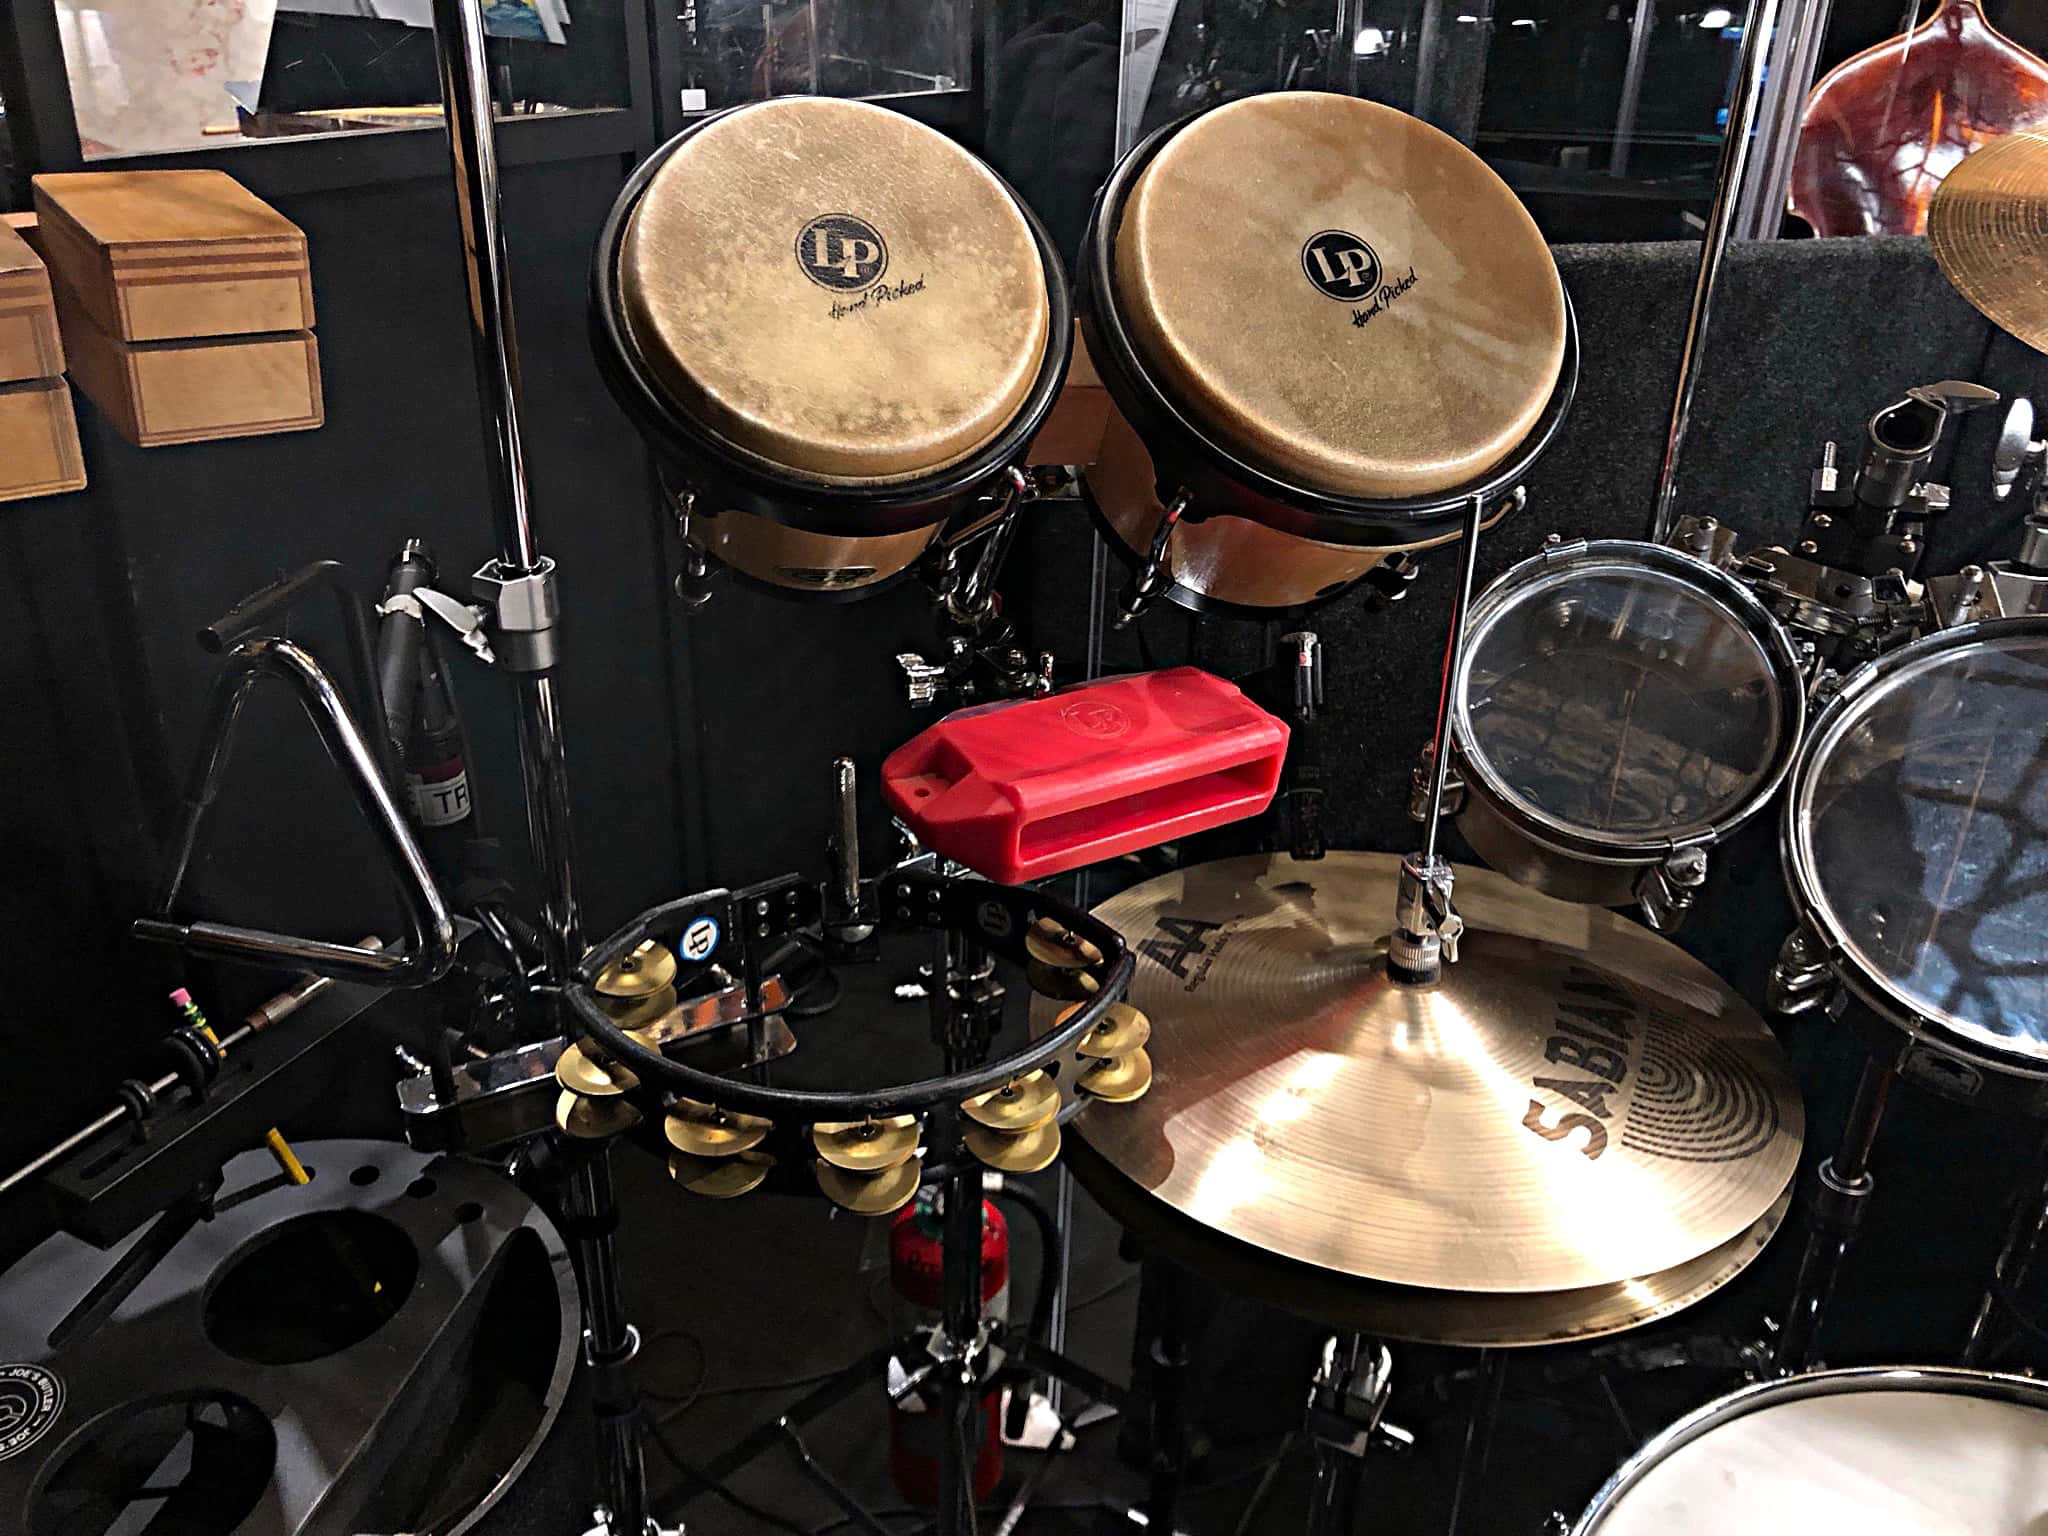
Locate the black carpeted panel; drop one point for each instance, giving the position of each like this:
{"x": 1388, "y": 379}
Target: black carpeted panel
{"x": 1808, "y": 339}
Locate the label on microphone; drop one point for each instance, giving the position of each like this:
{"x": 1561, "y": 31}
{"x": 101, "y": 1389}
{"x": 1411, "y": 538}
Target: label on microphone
{"x": 440, "y": 793}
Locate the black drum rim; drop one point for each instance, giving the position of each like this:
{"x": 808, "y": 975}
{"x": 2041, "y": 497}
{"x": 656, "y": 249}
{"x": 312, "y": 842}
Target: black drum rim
{"x": 733, "y": 478}
{"x": 1557, "y": 837}
{"x": 1155, "y": 414}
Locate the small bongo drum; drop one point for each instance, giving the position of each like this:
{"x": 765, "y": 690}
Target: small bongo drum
{"x": 838, "y": 329}
{"x": 1328, "y": 328}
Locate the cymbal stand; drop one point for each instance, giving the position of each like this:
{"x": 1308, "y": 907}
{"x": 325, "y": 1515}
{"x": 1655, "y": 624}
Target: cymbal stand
{"x": 1426, "y": 925}
{"x": 1837, "y": 1200}
{"x": 1347, "y": 1405}
{"x": 519, "y": 595}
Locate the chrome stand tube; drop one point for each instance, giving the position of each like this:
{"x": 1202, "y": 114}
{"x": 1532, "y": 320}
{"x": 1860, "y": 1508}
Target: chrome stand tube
{"x": 2023, "y": 1237}
{"x": 466, "y": 98}
{"x": 1426, "y": 926}
{"x": 1837, "y": 1201}
{"x": 1728, "y": 184}
{"x": 520, "y": 584}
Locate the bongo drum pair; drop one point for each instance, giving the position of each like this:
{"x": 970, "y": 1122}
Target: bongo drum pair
{"x": 1327, "y": 327}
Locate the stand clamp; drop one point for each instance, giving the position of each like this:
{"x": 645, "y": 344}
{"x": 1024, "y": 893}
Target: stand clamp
{"x": 1348, "y": 1396}
{"x": 1426, "y": 926}
{"x": 520, "y": 614}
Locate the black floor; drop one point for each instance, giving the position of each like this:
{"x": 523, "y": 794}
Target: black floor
{"x": 747, "y": 1303}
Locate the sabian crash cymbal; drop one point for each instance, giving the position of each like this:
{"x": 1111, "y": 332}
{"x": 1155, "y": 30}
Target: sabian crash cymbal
{"x": 1414, "y": 1314}
{"x": 581, "y": 1070}
{"x": 1119, "y": 1081}
{"x": 1015, "y": 1152}
{"x": 705, "y": 1130}
{"x": 1576, "y": 1103}
{"x": 1122, "y": 1030}
{"x": 1059, "y": 963}
{"x": 1021, "y": 1105}
{"x": 645, "y": 969}
{"x": 593, "y": 1119}
{"x": 870, "y": 1194}
{"x": 866, "y": 1146}
{"x": 1988, "y": 224}
{"x": 633, "y": 1013}
{"x": 719, "y": 1178}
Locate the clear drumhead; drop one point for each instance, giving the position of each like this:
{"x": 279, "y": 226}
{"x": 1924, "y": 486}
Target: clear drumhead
{"x": 1918, "y": 834}
{"x": 1628, "y": 698}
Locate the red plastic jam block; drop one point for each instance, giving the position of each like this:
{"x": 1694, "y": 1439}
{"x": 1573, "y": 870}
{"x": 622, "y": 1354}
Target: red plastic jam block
{"x": 1022, "y": 790}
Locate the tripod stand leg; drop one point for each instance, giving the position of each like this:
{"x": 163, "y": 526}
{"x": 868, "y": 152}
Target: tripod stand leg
{"x": 1836, "y": 1204}
{"x": 2022, "y": 1242}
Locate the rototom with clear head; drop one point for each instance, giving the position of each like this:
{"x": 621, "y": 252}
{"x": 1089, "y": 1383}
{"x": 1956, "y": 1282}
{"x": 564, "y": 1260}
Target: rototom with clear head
{"x": 1915, "y": 846}
{"x": 1620, "y": 708}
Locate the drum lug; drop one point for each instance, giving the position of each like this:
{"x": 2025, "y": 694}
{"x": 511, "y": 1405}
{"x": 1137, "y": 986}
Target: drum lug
{"x": 1154, "y": 576}
{"x": 1418, "y": 791}
{"x": 1557, "y": 547}
{"x": 1388, "y": 582}
{"x": 1665, "y": 891}
{"x": 1802, "y": 978}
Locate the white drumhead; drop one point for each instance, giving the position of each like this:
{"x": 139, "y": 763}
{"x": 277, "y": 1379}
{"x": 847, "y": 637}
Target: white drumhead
{"x": 1849, "y": 1461}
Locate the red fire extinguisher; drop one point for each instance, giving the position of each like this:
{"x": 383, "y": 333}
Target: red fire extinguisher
{"x": 917, "y": 1277}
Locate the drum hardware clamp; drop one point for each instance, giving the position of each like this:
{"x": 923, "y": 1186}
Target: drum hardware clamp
{"x": 1153, "y": 575}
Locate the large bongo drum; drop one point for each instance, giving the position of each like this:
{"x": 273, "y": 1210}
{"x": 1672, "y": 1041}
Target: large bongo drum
{"x": 1328, "y": 327}
{"x": 838, "y": 329}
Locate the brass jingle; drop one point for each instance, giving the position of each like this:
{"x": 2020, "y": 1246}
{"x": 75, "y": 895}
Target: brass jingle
{"x": 720, "y": 1178}
{"x": 866, "y": 1146}
{"x": 1123, "y": 1030}
{"x": 1023, "y": 1104}
{"x": 1019, "y": 1152}
{"x": 870, "y": 1194}
{"x": 579, "y": 1070}
{"x": 1052, "y": 945}
{"x": 638, "y": 1012}
{"x": 1062, "y": 982}
{"x": 1121, "y": 1080}
{"x": 593, "y": 1119}
{"x": 644, "y": 970}
{"x": 705, "y": 1130}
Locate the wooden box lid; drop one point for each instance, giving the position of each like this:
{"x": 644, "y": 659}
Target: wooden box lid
{"x": 166, "y": 255}
{"x": 30, "y": 347}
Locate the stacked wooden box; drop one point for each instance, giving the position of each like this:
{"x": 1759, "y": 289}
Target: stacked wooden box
{"x": 38, "y": 434}
{"x": 186, "y": 303}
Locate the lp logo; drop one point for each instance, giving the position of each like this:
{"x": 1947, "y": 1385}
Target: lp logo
{"x": 842, "y": 252}
{"x": 1341, "y": 265}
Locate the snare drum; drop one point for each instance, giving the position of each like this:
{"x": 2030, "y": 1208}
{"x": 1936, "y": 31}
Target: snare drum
{"x": 1897, "y": 1451}
{"x": 837, "y": 328}
{"x": 1618, "y": 709}
{"x": 1327, "y": 327}
{"x": 1915, "y": 842}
